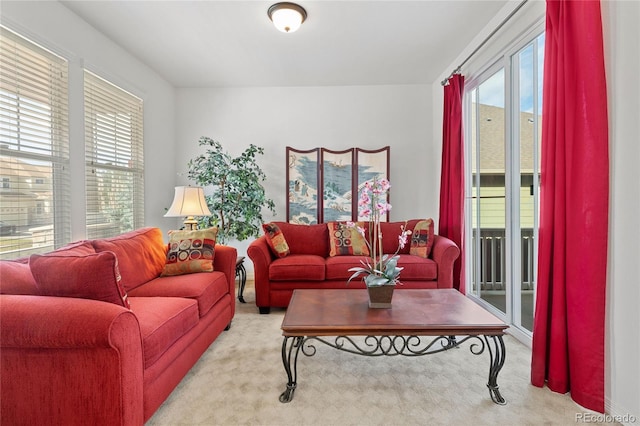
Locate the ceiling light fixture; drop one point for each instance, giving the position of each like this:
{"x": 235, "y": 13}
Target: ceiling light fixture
{"x": 287, "y": 17}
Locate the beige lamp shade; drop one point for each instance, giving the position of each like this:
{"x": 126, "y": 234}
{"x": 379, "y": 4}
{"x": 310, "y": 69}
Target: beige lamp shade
{"x": 188, "y": 201}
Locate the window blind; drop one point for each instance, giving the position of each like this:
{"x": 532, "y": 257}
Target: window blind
{"x": 34, "y": 148}
{"x": 114, "y": 158}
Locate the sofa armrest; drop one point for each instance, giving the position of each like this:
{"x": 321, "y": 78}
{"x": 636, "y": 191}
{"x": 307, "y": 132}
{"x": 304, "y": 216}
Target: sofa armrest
{"x": 260, "y": 254}
{"x": 80, "y": 360}
{"x": 444, "y": 252}
{"x": 224, "y": 260}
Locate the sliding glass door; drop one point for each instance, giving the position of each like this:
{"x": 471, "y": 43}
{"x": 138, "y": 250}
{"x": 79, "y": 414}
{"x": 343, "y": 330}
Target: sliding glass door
{"x": 503, "y": 117}
{"x": 488, "y": 190}
{"x": 527, "y": 66}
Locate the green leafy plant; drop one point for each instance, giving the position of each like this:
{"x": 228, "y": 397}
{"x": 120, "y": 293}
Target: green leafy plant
{"x": 238, "y": 196}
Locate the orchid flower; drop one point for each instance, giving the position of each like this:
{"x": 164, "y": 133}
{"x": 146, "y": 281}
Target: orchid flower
{"x": 381, "y": 268}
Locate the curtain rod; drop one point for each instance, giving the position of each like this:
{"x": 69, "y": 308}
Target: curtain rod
{"x": 457, "y": 70}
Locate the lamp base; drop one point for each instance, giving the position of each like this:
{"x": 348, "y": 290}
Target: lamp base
{"x": 190, "y": 223}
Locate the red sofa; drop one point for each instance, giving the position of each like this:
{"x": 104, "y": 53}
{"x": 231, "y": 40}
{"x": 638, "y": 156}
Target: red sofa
{"x": 71, "y": 361}
{"x": 309, "y": 265}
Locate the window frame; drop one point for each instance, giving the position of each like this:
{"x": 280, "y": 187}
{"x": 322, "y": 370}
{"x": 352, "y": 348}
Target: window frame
{"x": 114, "y": 147}
{"x": 35, "y": 129}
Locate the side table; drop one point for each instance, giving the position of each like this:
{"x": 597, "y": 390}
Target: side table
{"x": 241, "y": 274}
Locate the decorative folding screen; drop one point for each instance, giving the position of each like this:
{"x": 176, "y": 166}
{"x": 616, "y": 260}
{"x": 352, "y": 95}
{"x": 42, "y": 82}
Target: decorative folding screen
{"x": 321, "y": 183}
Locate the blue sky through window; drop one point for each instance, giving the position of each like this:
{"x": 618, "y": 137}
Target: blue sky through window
{"x": 492, "y": 90}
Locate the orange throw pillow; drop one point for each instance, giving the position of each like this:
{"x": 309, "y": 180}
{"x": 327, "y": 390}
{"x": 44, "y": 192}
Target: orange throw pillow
{"x": 275, "y": 239}
{"x": 346, "y": 240}
{"x": 190, "y": 252}
{"x": 422, "y": 239}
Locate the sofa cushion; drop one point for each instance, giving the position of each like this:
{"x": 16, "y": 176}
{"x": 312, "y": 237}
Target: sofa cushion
{"x": 306, "y": 239}
{"x": 346, "y": 240}
{"x": 91, "y": 276}
{"x": 276, "y": 240}
{"x": 190, "y": 251}
{"x": 390, "y": 233}
{"x": 337, "y": 268}
{"x": 163, "y": 320}
{"x": 422, "y": 238}
{"x": 16, "y": 278}
{"x": 141, "y": 255}
{"x": 298, "y": 267}
{"x": 417, "y": 268}
{"x": 205, "y": 288}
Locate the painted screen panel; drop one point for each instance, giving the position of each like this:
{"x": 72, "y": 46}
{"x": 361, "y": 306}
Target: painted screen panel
{"x": 337, "y": 179}
{"x": 302, "y": 176}
{"x": 372, "y": 164}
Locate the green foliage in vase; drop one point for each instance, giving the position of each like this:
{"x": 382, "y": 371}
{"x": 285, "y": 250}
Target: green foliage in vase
{"x": 238, "y": 196}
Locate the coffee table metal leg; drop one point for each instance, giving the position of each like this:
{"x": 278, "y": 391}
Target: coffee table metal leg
{"x": 290, "y": 349}
{"x": 497, "y": 355}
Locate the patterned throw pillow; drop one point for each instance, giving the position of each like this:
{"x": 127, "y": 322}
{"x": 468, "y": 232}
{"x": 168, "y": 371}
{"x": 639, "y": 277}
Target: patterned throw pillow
{"x": 422, "y": 239}
{"x": 276, "y": 240}
{"x": 190, "y": 252}
{"x": 345, "y": 240}
{"x": 90, "y": 276}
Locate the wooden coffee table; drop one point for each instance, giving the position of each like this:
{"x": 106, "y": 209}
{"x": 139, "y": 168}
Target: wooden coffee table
{"x": 446, "y": 314}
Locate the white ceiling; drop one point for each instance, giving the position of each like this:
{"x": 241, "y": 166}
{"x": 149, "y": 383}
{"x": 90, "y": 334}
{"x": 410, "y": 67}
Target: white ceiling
{"x": 233, "y": 43}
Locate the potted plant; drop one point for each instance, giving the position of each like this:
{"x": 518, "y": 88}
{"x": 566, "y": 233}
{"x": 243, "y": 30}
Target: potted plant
{"x": 238, "y": 197}
{"x": 380, "y": 272}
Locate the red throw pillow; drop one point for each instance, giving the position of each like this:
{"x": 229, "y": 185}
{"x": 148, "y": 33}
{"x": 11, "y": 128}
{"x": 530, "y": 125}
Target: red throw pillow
{"x": 92, "y": 276}
{"x": 346, "y": 240}
{"x": 422, "y": 238}
{"x": 141, "y": 254}
{"x": 276, "y": 240}
{"x": 190, "y": 251}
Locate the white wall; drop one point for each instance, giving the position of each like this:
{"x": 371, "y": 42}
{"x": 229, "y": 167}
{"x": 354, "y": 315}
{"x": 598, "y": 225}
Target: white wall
{"x": 53, "y": 26}
{"x": 622, "y": 38}
{"x": 337, "y": 118}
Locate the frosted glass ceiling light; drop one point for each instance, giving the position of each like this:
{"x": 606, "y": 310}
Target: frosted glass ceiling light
{"x": 287, "y": 17}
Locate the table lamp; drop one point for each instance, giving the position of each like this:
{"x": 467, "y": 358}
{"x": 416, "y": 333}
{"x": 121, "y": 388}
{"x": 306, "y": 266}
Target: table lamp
{"x": 189, "y": 201}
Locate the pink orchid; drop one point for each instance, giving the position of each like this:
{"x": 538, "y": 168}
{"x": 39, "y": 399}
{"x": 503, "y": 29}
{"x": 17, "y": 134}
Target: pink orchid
{"x": 403, "y": 237}
{"x": 372, "y": 205}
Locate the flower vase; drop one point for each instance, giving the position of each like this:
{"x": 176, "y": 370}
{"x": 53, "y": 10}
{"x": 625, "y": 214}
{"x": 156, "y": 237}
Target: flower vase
{"x": 380, "y": 296}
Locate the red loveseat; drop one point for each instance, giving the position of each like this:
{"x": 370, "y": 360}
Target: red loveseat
{"x": 309, "y": 264}
{"x": 71, "y": 361}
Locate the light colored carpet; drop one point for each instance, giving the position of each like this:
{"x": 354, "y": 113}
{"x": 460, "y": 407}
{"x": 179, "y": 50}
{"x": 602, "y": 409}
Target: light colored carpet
{"x": 240, "y": 377}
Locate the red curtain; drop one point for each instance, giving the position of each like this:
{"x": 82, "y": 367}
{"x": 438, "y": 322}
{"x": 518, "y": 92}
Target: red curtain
{"x": 569, "y": 326}
{"x": 451, "y": 221}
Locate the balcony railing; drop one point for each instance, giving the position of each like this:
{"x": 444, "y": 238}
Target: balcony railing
{"x": 492, "y": 258}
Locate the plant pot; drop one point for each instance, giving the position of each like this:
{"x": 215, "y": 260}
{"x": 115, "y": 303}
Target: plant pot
{"x": 380, "y": 296}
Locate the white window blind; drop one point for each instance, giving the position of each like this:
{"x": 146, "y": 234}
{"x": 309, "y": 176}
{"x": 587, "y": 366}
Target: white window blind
{"x": 34, "y": 148}
{"x": 114, "y": 158}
